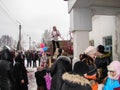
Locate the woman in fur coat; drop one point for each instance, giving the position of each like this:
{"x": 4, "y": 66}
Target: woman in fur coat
{"x": 75, "y": 80}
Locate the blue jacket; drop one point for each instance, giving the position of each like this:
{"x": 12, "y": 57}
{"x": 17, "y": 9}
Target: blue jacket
{"x": 111, "y": 84}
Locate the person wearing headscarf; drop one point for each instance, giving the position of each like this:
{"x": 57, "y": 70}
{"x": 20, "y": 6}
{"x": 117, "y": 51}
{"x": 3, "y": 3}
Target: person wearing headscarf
{"x": 7, "y": 81}
{"x": 60, "y": 66}
{"x": 113, "y": 80}
{"x": 89, "y": 55}
{"x": 75, "y": 79}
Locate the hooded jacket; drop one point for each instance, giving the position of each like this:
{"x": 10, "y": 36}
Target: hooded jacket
{"x": 102, "y": 62}
{"x": 6, "y": 70}
{"x": 75, "y": 82}
{"x": 60, "y": 66}
{"x": 113, "y": 82}
{"x": 20, "y": 73}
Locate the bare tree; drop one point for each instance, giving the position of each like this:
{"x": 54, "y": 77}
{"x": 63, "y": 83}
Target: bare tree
{"x": 7, "y": 40}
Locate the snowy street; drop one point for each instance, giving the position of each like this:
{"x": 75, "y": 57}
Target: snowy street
{"x": 32, "y": 81}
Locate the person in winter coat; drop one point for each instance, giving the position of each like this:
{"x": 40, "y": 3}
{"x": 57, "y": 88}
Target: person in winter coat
{"x": 29, "y": 58}
{"x": 113, "y": 80}
{"x": 7, "y": 81}
{"x": 20, "y": 74}
{"x": 89, "y": 55}
{"x": 60, "y": 66}
{"x": 40, "y": 81}
{"x": 92, "y": 77}
{"x": 75, "y": 80}
{"x": 102, "y": 61}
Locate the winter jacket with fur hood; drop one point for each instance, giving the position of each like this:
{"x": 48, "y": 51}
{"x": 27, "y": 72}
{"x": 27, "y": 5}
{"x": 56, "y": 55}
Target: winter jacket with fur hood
{"x": 75, "y": 82}
{"x": 102, "y": 62}
{"x": 60, "y": 66}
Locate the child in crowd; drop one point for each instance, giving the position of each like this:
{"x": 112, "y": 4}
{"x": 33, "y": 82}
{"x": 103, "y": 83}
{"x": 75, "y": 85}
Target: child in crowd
{"x": 92, "y": 77}
{"x": 113, "y": 80}
{"x": 40, "y": 81}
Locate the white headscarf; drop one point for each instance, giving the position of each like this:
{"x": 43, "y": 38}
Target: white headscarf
{"x": 114, "y": 66}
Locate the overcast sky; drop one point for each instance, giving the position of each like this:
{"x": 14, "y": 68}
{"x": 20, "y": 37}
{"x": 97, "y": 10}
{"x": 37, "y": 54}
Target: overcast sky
{"x": 35, "y": 16}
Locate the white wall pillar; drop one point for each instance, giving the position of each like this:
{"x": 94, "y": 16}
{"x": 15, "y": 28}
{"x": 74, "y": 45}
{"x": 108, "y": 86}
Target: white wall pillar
{"x": 116, "y": 39}
{"x": 81, "y": 41}
{"x": 80, "y": 24}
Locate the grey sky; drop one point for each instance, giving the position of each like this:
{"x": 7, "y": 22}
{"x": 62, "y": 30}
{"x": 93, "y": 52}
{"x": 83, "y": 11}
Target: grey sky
{"x": 35, "y": 16}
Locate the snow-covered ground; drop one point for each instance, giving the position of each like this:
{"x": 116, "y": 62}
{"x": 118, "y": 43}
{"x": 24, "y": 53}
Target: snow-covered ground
{"x": 31, "y": 77}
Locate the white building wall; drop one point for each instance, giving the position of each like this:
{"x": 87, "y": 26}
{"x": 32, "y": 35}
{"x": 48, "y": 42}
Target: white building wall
{"x": 102, "y": 26}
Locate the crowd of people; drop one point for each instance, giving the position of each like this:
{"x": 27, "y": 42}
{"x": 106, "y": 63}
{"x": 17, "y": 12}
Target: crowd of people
{"x": 13, "y": 73}
{"x": 94, "y": 70}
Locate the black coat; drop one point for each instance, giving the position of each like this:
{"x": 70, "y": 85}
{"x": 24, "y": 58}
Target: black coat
{"x": 39, "y": 75}
{"x": 75, "y": 82}
{"x": 6, "y": 75}
{"x": 102, "y": 62}
{"x": 20, "y": 73}
{"x": 60, "y": 66}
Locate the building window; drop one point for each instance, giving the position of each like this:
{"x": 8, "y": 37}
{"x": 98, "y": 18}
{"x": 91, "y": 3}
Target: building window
{"x": 107, "y": 40}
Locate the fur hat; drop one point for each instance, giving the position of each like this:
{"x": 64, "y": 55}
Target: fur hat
{"x": 114, "y": 66}
{"x": 80, "y": 68}
{"x": 92, "y": 70}
{"x": 90, "y": 50}
{"x": 100, "y": 48}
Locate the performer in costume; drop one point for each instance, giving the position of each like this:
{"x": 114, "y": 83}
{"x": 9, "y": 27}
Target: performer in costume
{"x": 55, "y": 34}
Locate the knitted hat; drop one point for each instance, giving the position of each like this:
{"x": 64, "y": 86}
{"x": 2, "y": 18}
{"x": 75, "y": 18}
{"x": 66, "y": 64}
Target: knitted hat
{"x": 114, "y": 66}
{"x": 92, "y": 70}
{"x": 90, "y": 50}
{"x": 100, "y": 49}
{"x": 80, "y": 68}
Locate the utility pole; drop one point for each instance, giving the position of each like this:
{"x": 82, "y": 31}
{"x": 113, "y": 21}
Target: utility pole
{"x": 19, "y": 47}
{"x": 20, "y": 33}
{"x": 30, "y": 42}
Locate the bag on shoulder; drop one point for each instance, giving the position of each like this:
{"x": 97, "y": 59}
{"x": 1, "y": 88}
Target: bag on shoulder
{"x": 48, "y": 80}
